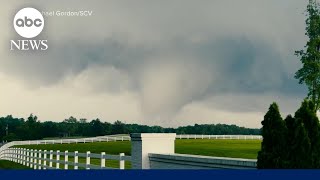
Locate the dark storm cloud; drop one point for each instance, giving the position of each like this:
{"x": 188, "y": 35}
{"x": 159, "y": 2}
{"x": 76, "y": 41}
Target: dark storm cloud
{"x": 238, "y": 65}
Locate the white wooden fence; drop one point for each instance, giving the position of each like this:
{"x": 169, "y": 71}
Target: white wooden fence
{"x": 79, "y": 140}
{"x": 148, "y": 150}
{"x": 127, "y": 138}
{"x": 43, "y": 159}
{"x": 196, "y": 136}
{"x": 120, "y": 138}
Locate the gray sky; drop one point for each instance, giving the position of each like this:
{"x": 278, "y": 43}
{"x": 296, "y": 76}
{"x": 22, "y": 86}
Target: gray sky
{"x": 168, "y": 62}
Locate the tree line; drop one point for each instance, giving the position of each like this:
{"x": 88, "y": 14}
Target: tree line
{"x": 293, "y": 142}
{"x": 12, "y": 128}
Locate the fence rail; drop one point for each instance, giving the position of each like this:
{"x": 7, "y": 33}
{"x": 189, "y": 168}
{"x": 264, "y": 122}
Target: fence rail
{"x": 43, "y": 159}
{"x": 196, "y": 136}
{"x": 80, "y": 140}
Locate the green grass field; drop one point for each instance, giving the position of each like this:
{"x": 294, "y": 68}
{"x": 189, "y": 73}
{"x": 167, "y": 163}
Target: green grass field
{"x": 11, "y": 165}
{"x": 247, "y": 149}
{"x": 208, "y": 147}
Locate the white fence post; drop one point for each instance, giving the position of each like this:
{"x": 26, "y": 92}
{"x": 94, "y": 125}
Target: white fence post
{"x": 103, "y": 160}
{"x": 31, "y": 158}
{"x": 15, "y": 155}
{"x": 8, "y": 154}
{"x": 35, "y": 152}
{"x": 76, "y": 160}
{"x": 144, "y": 143}
{"x": 19, "y": 155}
{"x": 4, "y": 154}
{"x": 26, "y": 154}
{"x": 27, "y": 157}
{"x": 58, "y": 159}
{"x": 121, "y": 161}
{"x": 66, "y": 160}
{"x": 11, "y": 154}
{"x": 13, "y": 151}
{"x": 40, "y": 156}
{"x": 45, "y": 159}
{"x": 50, "y": 158}
{"x": 88, "y": 160}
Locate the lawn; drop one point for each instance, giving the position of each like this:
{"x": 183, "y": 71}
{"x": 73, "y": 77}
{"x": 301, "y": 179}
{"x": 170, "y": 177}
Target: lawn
{"x": 11, "y": 165}
{"x": 208, "y": 147}
{"x": 247, "y": 149}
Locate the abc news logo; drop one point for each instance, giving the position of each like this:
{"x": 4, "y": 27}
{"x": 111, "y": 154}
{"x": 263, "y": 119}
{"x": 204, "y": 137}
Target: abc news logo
{"x": 28, "y": 23}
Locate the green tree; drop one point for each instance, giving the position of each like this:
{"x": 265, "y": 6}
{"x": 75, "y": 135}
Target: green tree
{"x": 83, "y": 120}
{"x": 309, "y": 74}
{"x": 273, "y": 146}
{"x": 97, "y": 128}
{"x": 118, "y": 128}
{"x": 307, "y": 115}
{"x": 298, "y": 144}
{"x": 32, "y": 128}
{"x": 71, "y": 119}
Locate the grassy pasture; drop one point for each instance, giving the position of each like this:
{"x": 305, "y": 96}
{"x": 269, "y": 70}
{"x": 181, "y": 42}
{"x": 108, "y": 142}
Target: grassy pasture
{"x": 208, "y": 147}
{"x": 11, "y": 165}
